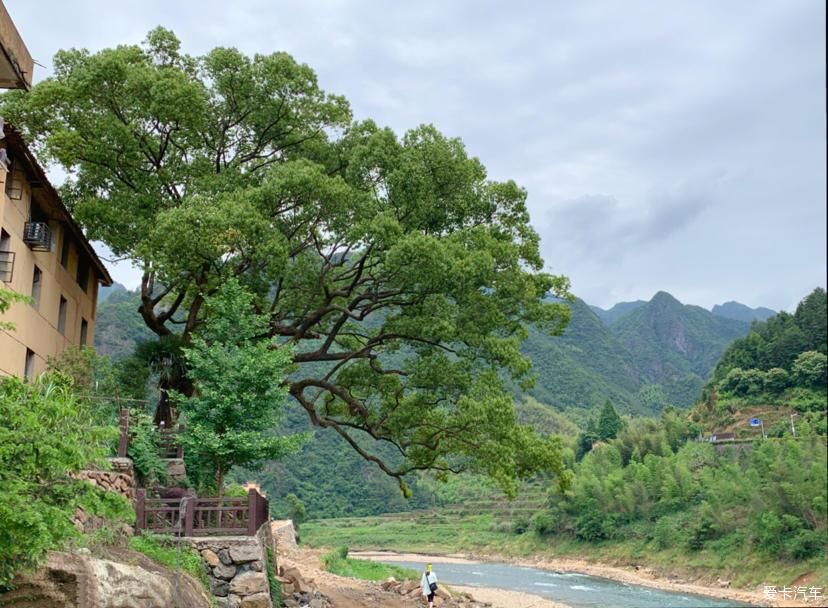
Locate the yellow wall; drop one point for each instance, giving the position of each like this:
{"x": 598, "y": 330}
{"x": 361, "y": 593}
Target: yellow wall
{"x": 38, "y": 329}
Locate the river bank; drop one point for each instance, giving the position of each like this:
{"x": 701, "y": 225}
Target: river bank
{"x": 642, "y": 577}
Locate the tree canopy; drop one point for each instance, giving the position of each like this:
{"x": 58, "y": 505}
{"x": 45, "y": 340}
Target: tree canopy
{"x": 400, "y": 275}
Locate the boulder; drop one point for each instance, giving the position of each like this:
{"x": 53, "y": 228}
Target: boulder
{"x": 249, "y": 583}
{"x": 210, "y": 558}
{"x": 72, "y": 580}
{"x": 245, "y": 553}
{"x": 224, "y": 572}
{"x": 258, "y": 600}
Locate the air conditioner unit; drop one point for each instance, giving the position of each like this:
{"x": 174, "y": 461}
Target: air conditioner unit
{"x": 37, "y": 236}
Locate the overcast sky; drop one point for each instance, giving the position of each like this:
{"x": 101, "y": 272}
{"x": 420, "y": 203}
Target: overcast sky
{"x": 675, "y": 146}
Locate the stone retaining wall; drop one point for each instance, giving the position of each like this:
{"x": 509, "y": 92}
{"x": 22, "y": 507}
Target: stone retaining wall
{"x": 120, "y": 479}
{"x": 237, "y": 568}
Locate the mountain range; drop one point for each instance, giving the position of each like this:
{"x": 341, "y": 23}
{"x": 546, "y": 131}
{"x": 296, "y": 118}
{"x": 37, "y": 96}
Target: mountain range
{"x": 641, "y": 356}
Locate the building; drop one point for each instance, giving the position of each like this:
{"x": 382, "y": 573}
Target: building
{"x": 15, "y": 61}
{"x": 44, "y": 255}
{"x": 43, "y": 252}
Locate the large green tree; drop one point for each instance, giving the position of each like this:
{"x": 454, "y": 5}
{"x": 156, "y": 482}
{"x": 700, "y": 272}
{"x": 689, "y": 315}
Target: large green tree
{"x": 403, "y": 278}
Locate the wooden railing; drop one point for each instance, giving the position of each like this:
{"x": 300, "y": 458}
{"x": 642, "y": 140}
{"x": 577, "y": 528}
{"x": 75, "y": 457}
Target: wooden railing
{"x": 168, "y": 444}
{"x": 194, "y": 516}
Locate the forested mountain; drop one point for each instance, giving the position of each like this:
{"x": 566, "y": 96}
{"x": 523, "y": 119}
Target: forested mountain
{"x": 676, "y": 345}
{"x": 660, "y": 346}
{"x": 740, "y": 312}
{"x": 617, "y": 311}
{"x": 658, "y": 353}
{"x": 119, "y": 327}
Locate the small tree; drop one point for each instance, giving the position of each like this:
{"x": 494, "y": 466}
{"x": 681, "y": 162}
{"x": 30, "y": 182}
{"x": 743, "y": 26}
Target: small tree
{"x": 239, "y": 379}
{"x": 296, "y": 509}
{"x": 776, "y": 380}
{"x": 810, "y": 369}
{"x": 609, "y": 422}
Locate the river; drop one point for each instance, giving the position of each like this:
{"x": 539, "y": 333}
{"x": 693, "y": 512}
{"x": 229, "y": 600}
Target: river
{"x": 576, "y": 590}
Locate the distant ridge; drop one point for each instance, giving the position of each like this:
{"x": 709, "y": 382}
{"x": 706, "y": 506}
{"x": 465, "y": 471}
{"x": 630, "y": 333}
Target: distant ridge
{"x": 741, "y": 312}
{"x": 640, "y": 355}
{"x": 616, "y": 312}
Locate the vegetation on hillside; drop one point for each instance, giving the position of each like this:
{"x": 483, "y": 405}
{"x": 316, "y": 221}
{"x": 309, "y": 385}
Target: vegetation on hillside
{"x": 781, "y": 361}
{"x": 47, "y": 434}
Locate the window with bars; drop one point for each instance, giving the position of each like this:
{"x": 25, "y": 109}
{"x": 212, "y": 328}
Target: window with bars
{"x": 6, "y": 258}
{"x": 37, "y": 282}
{"x": 62, "y": 316}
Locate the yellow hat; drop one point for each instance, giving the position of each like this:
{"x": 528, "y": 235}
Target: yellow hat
{"x": 428, "y": 567}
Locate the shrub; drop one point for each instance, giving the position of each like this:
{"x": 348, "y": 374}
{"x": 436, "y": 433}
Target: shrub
{"x": 667, "y": 533}
{"x": 521, "y": 525}
{"x": 46, "y": 434}
{"x": 593, "y": 525}
{"x": 543, "y": 524}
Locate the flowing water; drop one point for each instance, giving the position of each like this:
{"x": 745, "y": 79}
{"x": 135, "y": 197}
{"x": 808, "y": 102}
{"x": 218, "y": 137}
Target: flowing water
{"x": 576, "y": 590}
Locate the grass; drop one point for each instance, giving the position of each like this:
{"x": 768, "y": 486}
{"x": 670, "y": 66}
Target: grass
{"x": 162, "y": 550}
{"x": 435, "y": 532}
{"x": 337, "y": 562}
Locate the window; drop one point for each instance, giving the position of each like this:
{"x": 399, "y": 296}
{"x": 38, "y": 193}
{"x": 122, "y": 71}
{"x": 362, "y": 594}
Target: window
{"x": 6, "y": 257}
{"x": 62, "y": 316}
{"x": 14, "y": 184}
{"x": 37, "y": 281}
{"x": 83, "y": 274}
{"x": 28, "y": 369}
{"x": 84, "y": 331}
{"x": 64, "y": 249}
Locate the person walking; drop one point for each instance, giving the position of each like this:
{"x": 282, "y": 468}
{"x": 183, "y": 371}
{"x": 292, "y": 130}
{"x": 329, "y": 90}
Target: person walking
{"x": 429, "y": 585}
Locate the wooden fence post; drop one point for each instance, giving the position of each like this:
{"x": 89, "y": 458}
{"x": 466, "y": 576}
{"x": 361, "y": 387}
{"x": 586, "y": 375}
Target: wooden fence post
{"x": 189, "y": 513}
{"x": 252, "y": 503}
{"x": 140, "y": 515}
{"x": 123, "y": 423}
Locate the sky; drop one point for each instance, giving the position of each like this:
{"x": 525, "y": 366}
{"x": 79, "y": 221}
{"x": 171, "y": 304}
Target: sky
{"x": 676, "y": 146}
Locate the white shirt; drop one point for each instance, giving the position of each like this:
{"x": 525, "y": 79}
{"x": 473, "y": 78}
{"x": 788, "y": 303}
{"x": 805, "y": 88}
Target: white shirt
{"x": 425, "y": 582}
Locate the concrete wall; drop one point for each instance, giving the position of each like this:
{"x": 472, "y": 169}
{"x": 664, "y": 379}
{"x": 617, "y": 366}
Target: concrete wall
{"x": 37, "y": 328}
